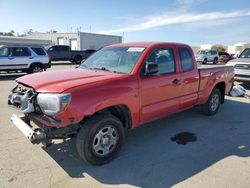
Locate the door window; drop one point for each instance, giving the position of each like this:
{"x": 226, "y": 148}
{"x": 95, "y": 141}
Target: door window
{"x": 4, "y": 52}
{"x": 19, "y": 52}
{"x": 185, "y": 59}
{"x": 164, "y": 58}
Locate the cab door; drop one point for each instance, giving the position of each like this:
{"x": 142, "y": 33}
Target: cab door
{"x": 159, "y": 93}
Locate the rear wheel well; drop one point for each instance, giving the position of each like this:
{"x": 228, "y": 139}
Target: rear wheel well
{"x": 221, "y": 86}
{"x": 36, "y": 63}
{"x": 122, "y": 112}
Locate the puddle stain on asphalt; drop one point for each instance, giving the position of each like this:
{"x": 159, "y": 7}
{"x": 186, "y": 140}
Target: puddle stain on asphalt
{"x": 184, "y": 137}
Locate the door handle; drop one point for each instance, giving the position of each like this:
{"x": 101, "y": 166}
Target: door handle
{"x": 31, "y": 57}
{"x": 176, "y": 81}
{"x": 10, "y": 58}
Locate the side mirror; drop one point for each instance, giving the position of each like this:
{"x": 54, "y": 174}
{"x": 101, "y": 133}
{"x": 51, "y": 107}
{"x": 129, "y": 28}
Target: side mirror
{"x": 151, "y": 68}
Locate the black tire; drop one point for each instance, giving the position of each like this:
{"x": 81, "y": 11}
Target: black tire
{"x": 215, "y": 61}
{"x": 35, "y": 68}
{"x": 204, "y": 61}
{"x": 212, "y": 106}
{"x": 77, "y": 59}
{"x": 87, "y": 138}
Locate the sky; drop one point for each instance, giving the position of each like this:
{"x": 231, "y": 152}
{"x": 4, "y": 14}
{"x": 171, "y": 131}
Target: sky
{"x": 194, "y": 22}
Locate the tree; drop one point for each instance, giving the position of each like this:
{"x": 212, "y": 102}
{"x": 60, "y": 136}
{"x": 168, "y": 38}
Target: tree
{"x": 219, "y": 48}
{"x": 11, "y": 33}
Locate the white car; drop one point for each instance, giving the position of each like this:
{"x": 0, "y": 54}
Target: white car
{"x": 205, "y": 56}
{"x": 28, "y": 59}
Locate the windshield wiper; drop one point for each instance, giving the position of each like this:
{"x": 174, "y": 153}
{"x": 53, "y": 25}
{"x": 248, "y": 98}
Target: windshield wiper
{"x": 101, "y": 68}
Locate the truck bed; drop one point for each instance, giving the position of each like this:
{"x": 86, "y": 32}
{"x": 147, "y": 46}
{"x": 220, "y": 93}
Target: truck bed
{"x": 209, "y": 73}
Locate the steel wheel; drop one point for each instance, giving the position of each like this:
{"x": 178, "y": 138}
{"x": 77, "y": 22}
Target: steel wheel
{"x": 215, "y": 101}
{"x": 100, "y": 138}
{"x": 105, "y": 141}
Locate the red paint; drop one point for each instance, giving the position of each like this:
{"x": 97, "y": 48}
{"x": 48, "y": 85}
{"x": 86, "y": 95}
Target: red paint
{"x": 147, "y": 98}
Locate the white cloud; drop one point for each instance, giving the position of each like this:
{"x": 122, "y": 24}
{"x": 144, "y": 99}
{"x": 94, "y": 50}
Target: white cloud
{"x": 150, "y": 22}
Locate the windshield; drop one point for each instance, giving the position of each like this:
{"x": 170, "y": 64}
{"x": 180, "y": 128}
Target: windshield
{"x": 245, "y": 53}
{"x": 114, "y": 59}
{"x": 200, "y": 52}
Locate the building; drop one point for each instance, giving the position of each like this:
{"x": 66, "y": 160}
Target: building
{"x": 77, "y": 40}
{"x": 8, "y": 40}
{"x": 237, "y": 48}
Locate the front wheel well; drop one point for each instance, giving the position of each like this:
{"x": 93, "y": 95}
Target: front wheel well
{"x": 221, "y": 86}
{"x": 121, "y": 111}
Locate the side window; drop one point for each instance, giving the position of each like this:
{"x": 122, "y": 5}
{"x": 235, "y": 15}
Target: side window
{"x": 185, "y": 59}
{"x": 213, "y": 52}
{"x": 4, "y": 52}
{"x": 39, "y": 51}
{"x": 19, "y": 52}
{"x": 164, "y": 57}
{"x": 63, "y": 48}
{"x": 25, "y": 52}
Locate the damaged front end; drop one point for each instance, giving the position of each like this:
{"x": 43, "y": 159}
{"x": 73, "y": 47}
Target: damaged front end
{"x": 34, "y": 123}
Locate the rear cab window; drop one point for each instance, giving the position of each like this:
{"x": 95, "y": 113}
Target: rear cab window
{"x": 39, "y": 51}
{"x": 186, "y": 61}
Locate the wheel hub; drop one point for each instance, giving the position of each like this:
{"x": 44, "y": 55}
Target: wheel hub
{"x": 105, "y": 141}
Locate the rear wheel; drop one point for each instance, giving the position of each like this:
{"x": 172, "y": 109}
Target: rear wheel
{"x": 100, "y": 139}
{"x": 35, "y": 68}
{"x": 215, "y": 61}
{"x": 213, "y": 104}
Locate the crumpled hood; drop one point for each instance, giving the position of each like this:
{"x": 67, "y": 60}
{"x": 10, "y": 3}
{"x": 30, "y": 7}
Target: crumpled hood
{"x": 59, "y": 81}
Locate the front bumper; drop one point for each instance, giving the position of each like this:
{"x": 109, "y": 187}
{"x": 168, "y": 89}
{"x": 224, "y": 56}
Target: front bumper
{"x": 40, "y": 133}
{"x": 35, "y": 136}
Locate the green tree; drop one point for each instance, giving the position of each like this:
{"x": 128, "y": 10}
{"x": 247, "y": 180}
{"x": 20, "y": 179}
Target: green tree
{"x": 219, "y": 48}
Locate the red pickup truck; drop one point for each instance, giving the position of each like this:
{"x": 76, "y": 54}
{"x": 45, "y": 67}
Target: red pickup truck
{"x": 119, "y": 87}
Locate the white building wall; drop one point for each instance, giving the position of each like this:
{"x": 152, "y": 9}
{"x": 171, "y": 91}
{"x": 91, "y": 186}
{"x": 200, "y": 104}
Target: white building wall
{"x": 57, "y": 38}
{"x": 237, "y": 48}
{"x": 97, "y": 41}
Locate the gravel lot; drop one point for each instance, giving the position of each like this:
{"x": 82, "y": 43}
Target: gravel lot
{"x": 219, "y": 157}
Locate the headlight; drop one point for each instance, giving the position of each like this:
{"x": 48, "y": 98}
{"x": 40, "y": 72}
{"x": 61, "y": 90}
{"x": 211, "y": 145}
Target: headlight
{"x": 52, "y": 104}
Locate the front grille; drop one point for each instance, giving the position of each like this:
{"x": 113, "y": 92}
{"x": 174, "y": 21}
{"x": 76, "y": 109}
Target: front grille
{"x": 22, "y": 97}
{"x": 242, "y": 66}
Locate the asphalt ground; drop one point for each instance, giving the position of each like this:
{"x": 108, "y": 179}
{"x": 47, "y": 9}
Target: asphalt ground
{"x": 187, "y": 149}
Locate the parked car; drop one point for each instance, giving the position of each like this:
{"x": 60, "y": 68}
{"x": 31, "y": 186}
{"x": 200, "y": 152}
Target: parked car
{"x": 205, "y": 56}
{"x": 242, "y": 66}
{"x": 119, "y": 87}
{"x": 28, "y": 59}
{"x": 64, "y": 53}
{"x": 224, "y": 57}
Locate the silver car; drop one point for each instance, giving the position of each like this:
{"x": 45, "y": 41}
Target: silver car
{"x": 242, "y": 66}
{"x": 28, "y": 59}
{"x": 205, "y": 56}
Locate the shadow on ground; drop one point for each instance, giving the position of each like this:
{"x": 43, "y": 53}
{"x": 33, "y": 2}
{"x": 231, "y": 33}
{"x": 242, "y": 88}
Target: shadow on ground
{"x": 150, "y": 159}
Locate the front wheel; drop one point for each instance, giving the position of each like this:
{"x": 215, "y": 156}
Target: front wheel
{"x": 213, "y": 104}
{"x": 204, "y": 61}
{"x": 99, "y": 139}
